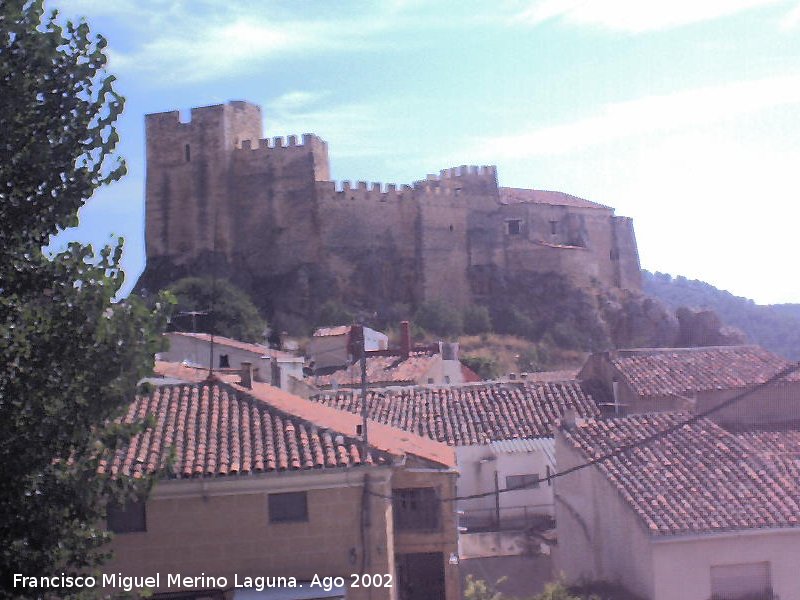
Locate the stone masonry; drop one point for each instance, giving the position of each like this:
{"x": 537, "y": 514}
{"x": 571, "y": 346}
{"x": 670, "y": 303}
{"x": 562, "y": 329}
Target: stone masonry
{"x": 265, "y": 214}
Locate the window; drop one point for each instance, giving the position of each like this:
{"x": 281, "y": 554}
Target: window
{"x": 291, "y": 507}
{"x": 747, "y": 580}
{"x": 224, "y": 361}
{"x": 528, "y": 481}
{"x": 187, "y": 152}
{"x": 553, "y": 227}
{"x": 514, "y": 226}
{"x": 127, "y": 518}
{"x": 415, "y": 509}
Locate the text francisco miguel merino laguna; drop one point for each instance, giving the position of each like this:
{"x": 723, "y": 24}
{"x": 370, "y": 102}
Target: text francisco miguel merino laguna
{"x": 173, "y": 580}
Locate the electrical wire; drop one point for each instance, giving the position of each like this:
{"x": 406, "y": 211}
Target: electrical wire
{"x": 786, "y": 371}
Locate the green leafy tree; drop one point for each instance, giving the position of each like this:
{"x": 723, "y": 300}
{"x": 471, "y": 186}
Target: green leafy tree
{"x": 477, "y": 320}
{"x": 439, "y": 318}
{"x": 70, "y": 356}
{"x": 234, "y": 315}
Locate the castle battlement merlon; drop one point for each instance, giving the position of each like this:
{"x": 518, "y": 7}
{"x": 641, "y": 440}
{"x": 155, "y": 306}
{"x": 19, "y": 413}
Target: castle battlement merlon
{"x": 363, "y": 190}
{"x": 307, "y": 140}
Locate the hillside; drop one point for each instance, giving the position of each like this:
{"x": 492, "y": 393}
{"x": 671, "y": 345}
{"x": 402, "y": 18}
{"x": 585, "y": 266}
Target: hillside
{"x": 776, "y": 327}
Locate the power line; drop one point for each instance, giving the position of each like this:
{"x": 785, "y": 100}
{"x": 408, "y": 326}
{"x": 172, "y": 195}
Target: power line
{"x": 786, "y": 371}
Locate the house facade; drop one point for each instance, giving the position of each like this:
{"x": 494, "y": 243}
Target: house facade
{"x": 700, "y": 513}
{"x": 251, "y": 488}
{"x": 270, "y": 366}
{"x": 696, "y": 379}
{"x": 501, "y": 435}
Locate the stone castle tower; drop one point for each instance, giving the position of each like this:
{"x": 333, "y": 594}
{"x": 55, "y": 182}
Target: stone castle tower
{"x": 264, "y": 213}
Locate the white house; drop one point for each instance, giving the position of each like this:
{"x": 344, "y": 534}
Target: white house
{"x": 700, "y": 513}
{"x": 501, "y": 433}
{"x": 270, "y": 366}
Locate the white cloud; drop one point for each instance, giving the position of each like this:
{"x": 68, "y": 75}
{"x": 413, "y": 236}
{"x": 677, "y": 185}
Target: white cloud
{"x": 633, "y": 16}
{"x": 648, "y": 115}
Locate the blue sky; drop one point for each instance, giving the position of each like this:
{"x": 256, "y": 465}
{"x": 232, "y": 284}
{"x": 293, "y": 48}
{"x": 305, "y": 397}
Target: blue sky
{"x": 683, "y": 114}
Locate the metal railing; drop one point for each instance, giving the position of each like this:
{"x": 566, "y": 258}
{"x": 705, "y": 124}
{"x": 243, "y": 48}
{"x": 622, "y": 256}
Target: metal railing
{"x": 532, "y": 516}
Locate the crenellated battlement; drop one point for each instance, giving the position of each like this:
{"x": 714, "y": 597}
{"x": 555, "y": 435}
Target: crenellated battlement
{"x": 445, "y": 175}
{"x": 363, "y": 190}
{"x": 307, "y": 140}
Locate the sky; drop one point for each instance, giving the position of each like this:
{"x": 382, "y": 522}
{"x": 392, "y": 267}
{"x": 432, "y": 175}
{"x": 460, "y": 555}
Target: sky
{"x": 684, "y": 115}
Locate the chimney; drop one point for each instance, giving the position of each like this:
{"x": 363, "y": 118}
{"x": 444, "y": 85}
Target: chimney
{"x": 405, "y": 338}
{"x": 569, "y": 419}
{"x": 247, "y": 375}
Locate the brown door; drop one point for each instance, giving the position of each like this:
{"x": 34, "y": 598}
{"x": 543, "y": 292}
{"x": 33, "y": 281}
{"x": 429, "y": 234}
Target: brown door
{"x": 420, "y": 576}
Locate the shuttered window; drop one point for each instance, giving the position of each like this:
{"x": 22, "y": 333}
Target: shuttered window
{"x": 745, "y": 580}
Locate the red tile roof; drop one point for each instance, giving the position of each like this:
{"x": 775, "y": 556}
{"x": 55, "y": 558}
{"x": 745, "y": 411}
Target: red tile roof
{"x": 326, "y": 331}
{"x": 216, "y": 430}
{"x": 526, "y": 196}
{"x": 687, "y": 370}
{"x": 389, "y": 370}
{"x": 699, "y": 478}
{"x": 225, "y": 341}
{"x": 387, "y": 439}
{"x": 472, "y": 414}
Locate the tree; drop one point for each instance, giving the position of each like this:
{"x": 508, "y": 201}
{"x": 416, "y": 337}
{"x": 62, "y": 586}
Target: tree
{"x": 439, "y": 318}
{"x": 69, "y": 356}
{"x": 234, "y": 315}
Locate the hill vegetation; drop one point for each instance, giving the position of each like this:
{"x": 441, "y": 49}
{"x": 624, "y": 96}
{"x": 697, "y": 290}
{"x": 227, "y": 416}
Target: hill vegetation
{"x": 775, "y": 327}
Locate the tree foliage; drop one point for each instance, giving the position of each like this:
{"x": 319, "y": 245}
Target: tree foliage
{"x": 439, "y": 318}
{"x": 776, "y": 327}
{"x": 234, "y": 315}
{"x": 69, "y": 356}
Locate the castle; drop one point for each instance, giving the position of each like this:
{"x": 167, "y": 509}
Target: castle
{"x": 265, "y": 213}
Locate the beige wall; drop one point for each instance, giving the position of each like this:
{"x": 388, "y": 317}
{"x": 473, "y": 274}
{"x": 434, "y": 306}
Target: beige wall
{"x": 598, "y": 536}
{"x": 196, "y": 352}
{"x": 683, "y": 568}
{"x": 221, "y": 528}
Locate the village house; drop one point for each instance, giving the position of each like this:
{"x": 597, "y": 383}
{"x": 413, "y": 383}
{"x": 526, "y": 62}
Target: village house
{"x": 695, "y": 379}
{"x": 701, "y": 513}
{"x": 432, "y": 364}
{"x": 256, "y": 482}
{"x": 501, "y": 435}
{"x": 331, "y": 346}
{"x": 271, "y": 366}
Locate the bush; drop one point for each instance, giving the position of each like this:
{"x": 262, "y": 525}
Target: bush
{"x": 235, "y": 316}
{"x": 476, "y": 320}
{"x": 485, "y": 366}
{"x": 439, "y": 318}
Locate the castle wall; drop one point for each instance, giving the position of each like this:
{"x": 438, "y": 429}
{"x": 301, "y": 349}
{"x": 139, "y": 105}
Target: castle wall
{"x": 187, "y": 174}
{"x": 369, "y": 233}
{"x": 294, "y": 239}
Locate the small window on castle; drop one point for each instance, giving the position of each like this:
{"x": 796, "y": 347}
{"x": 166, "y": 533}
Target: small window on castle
{"x": 451, "y": 228}
{"x": 514, "y": 226}
{"x": 187, "y": 152}
{"x": 553, "y": 226}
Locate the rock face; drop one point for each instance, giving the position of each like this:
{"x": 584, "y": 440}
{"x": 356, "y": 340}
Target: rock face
{"x": 264, "y": 213}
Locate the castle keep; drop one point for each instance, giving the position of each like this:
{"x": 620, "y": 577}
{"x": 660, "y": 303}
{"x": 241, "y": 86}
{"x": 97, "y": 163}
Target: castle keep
{"x": 265, "y": 214}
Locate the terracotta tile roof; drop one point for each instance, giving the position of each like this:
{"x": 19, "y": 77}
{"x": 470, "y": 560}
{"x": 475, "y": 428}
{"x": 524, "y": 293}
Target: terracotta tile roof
{"x": 174, "y": 370}
{"x": 526, "y": 196}
{"x": 326, "y": 331}
{"x": 389, "y": 370}
{"x": 682, "y": 371}
{"x": 471, "y": 414}
{"x": 217, "y": 431}
{"x": 225, "y": 341}
{"x": 699, "y": 478}
{"x": 382, "y": 437}
{"x": 781, "y": 447}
